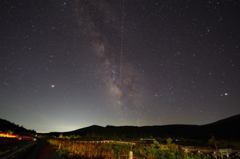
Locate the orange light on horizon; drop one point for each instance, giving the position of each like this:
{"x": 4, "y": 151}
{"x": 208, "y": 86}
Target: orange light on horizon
{"x": 7, "y": 135}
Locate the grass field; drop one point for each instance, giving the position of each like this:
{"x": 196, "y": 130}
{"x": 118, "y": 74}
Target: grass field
{"x": 87, "y": 150}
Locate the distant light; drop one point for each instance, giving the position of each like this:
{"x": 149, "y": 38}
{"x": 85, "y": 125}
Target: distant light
{"x": 52, "y": 86}
{"x": 226, "y": 94}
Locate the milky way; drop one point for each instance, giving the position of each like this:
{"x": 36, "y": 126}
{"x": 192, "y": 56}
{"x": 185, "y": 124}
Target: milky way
{"x": 99, "y": 28}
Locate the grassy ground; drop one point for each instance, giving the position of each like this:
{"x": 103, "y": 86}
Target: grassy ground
{"x": 80, "y": 150}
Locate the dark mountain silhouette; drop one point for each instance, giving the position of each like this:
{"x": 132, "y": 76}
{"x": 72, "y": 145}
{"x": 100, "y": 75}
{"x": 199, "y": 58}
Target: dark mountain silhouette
{"x": 84, "y": 131}
{"x": 227, "y": 129}
{"x": 6, "y": 125}
{"x": 81, "y": 132}
{"x": 228, "y": 122}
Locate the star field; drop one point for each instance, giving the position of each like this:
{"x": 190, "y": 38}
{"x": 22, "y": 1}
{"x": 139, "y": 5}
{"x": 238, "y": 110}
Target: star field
{"x": 71, "y": 64}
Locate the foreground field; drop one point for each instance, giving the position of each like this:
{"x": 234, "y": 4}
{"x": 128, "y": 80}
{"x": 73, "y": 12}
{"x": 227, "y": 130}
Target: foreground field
{"x": 114, "y": 150}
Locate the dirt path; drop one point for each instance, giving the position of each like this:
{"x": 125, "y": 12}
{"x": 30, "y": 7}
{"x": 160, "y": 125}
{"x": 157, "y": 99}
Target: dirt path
{"x": 42, "y": 150}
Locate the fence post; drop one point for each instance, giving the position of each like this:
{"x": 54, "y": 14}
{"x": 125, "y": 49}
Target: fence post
{"x": 130, "y": 155}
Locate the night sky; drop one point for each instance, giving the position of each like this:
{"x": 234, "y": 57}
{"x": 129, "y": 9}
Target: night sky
{"x": 69, "y": 64}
